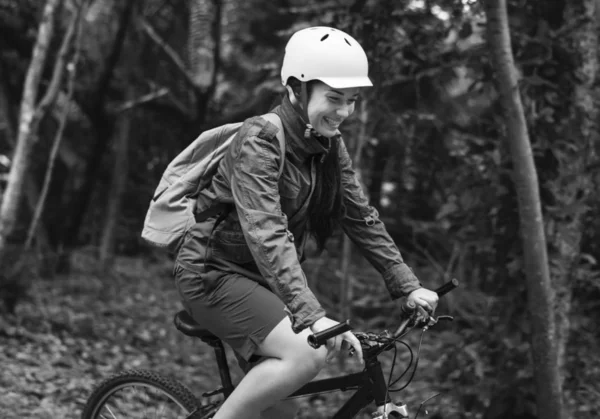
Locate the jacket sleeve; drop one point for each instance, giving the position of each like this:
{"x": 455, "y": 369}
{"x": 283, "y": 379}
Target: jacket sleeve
{"x": 365, "y": 229}
{"x": 255, "y": 190}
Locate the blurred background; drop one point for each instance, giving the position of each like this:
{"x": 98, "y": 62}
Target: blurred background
{"x": 98, "y": 96}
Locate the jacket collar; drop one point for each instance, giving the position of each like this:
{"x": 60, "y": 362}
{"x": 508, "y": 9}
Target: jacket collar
{"x": 295, "y": 129}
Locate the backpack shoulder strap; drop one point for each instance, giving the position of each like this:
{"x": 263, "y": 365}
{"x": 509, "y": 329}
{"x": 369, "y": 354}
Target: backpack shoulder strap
{"x": 275, "y": 120}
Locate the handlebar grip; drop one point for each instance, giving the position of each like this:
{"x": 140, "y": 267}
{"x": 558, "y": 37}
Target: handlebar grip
{"x": 447, "y": 287}
{"x": 408, "y": 308}
{"x": 318, "y": 339}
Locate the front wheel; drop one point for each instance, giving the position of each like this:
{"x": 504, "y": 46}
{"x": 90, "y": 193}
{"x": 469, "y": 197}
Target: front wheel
{"x": 144, "y": 394}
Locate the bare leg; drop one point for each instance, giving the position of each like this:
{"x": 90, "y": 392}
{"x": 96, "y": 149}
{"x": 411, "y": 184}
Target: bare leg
{"x": 291, "y": 364}
{"x": 285, "y": 409}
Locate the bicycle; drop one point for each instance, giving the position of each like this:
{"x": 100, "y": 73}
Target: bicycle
{"x": 370, "y": 384}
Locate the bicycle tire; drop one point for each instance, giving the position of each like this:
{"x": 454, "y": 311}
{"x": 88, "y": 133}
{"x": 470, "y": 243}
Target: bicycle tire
{"x": 174, "y": 390}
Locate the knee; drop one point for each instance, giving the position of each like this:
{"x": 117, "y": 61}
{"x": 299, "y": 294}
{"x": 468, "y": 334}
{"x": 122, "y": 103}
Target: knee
{"x": 312, "y": 360}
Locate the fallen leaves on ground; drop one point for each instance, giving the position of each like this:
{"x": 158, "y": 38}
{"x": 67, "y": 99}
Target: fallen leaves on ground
{"x": 73, "y": 332}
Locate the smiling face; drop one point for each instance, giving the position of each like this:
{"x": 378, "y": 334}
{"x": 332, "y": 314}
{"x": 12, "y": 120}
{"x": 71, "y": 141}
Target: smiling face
{"x": 328, "y": 107}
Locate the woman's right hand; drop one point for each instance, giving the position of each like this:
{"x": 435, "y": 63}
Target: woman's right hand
{"x": 425, "y": 298}
{"x": 334, "y": 344}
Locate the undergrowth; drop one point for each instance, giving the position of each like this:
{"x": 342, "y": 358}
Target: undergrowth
{"x": 73, "y": 331}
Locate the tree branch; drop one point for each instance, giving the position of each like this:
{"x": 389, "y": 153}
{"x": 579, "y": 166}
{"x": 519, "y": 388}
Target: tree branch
{"x": 23, "y": 149}
{"x": 59, "y": 69}
{"x": 571, "y": 26}
{"x": 74, "y": 30}
{"x": 173, "y": 56}
{"x": 140, "y": 100}
{"x": 182, "y": 108}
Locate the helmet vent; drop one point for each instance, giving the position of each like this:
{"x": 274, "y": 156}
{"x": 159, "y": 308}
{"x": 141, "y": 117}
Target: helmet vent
{"x": 324, "y": 37}
{"x": 347, "y": 42}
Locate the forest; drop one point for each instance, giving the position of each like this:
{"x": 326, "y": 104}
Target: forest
{"x": 478, "y": 144}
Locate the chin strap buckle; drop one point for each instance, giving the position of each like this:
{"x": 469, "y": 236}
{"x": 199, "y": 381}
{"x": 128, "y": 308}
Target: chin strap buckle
{"x": 308, "y": 131}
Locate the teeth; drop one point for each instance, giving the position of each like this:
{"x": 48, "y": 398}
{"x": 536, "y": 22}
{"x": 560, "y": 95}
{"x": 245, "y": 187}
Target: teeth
{"x": 332, "y": 122}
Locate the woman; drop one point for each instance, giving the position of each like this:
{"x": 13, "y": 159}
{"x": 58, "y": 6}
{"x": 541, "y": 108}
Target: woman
{"x": 239, "y": 274}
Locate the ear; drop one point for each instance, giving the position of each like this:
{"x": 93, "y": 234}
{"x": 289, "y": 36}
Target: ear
{"x": 290, "y": 90}
{"x": 294, "y": 96}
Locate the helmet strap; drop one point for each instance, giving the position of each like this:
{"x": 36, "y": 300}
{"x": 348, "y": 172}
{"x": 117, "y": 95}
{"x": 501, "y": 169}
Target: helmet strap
{"x": 301, "y": 107}
{"x": 304, "y": 101}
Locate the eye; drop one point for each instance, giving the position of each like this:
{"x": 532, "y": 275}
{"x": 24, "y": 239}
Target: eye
{"x": 333, "y": 99}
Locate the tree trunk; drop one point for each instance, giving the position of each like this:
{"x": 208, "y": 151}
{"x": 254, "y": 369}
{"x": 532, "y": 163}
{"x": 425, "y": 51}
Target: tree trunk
{"x": 30, "y": 189}
{"x": 102, "y": 129}
{"x": 204, "y": 50}
{"x": 117, "y": 187}
{"x": 120, "y": 172}
{"x": 540, "y": 294}
{"x": 27, "y": 134}
{"x": 73, "y": 33}
{"x": 202, "y": 43}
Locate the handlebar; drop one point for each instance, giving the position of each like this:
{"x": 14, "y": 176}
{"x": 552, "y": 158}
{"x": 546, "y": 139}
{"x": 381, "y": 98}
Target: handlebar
{"x": 408, "y": 309}
{"x": 319, "y": 338}
{"x": 447, "y": 287}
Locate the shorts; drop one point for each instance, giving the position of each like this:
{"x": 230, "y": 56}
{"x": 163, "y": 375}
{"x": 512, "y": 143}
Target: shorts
{"x": 238, "y": 310}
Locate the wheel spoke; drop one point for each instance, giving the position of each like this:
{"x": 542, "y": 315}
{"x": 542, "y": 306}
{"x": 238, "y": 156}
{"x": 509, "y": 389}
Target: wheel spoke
{"x": 142, "y": 394}
{"x": 141, "y": 401}
{"x": 162, "y": 406}
{"x": 110, "y": 412}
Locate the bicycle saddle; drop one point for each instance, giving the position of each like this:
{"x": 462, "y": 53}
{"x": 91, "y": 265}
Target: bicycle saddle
{"x": 186, "y": 325}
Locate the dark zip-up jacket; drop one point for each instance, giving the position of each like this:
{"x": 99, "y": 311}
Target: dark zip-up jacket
{"x": 264, "y": 237}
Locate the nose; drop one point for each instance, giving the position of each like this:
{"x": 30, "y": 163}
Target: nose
{"x": 343, "y": 111}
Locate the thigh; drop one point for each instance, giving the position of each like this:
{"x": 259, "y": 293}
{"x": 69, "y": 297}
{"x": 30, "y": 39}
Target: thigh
{"x": 238, "y": 310}
{"x": 282, "y": 410}
{"x": 282, "y": 343}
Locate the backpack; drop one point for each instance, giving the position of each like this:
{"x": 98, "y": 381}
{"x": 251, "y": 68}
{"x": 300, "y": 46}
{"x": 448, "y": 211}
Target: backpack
{"x": 171, "y": 212}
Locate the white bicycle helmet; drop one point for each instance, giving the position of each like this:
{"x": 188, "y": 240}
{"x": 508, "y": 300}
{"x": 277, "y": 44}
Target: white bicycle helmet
{"x": 325, "y": 54}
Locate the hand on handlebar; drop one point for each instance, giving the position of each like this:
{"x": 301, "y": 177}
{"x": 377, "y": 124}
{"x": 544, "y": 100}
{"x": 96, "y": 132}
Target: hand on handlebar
{"x": 334, "y": 344}
{"x": 326, "y": 330}
{"x": 425, "y": 298}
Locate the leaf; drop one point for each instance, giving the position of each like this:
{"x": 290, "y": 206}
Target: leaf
{"x": 447, "y": 209}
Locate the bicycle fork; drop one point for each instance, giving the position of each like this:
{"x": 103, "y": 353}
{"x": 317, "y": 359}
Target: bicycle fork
{"x": 385, "y": 407}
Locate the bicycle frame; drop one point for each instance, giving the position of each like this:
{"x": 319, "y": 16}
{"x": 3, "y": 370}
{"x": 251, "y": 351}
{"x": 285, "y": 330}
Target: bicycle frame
{"x": 370, "y": 384}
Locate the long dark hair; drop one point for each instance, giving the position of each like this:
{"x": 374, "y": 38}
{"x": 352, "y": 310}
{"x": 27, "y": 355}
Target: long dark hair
{"x": 326, "y": 207}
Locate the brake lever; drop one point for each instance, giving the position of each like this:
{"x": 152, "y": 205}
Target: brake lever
{"x": 448, "y": 318}
{"x": 432, "y": 321}
{"x": 425, "y": 320}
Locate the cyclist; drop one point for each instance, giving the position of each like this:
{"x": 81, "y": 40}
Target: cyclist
{"x": 239, "y": 274}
